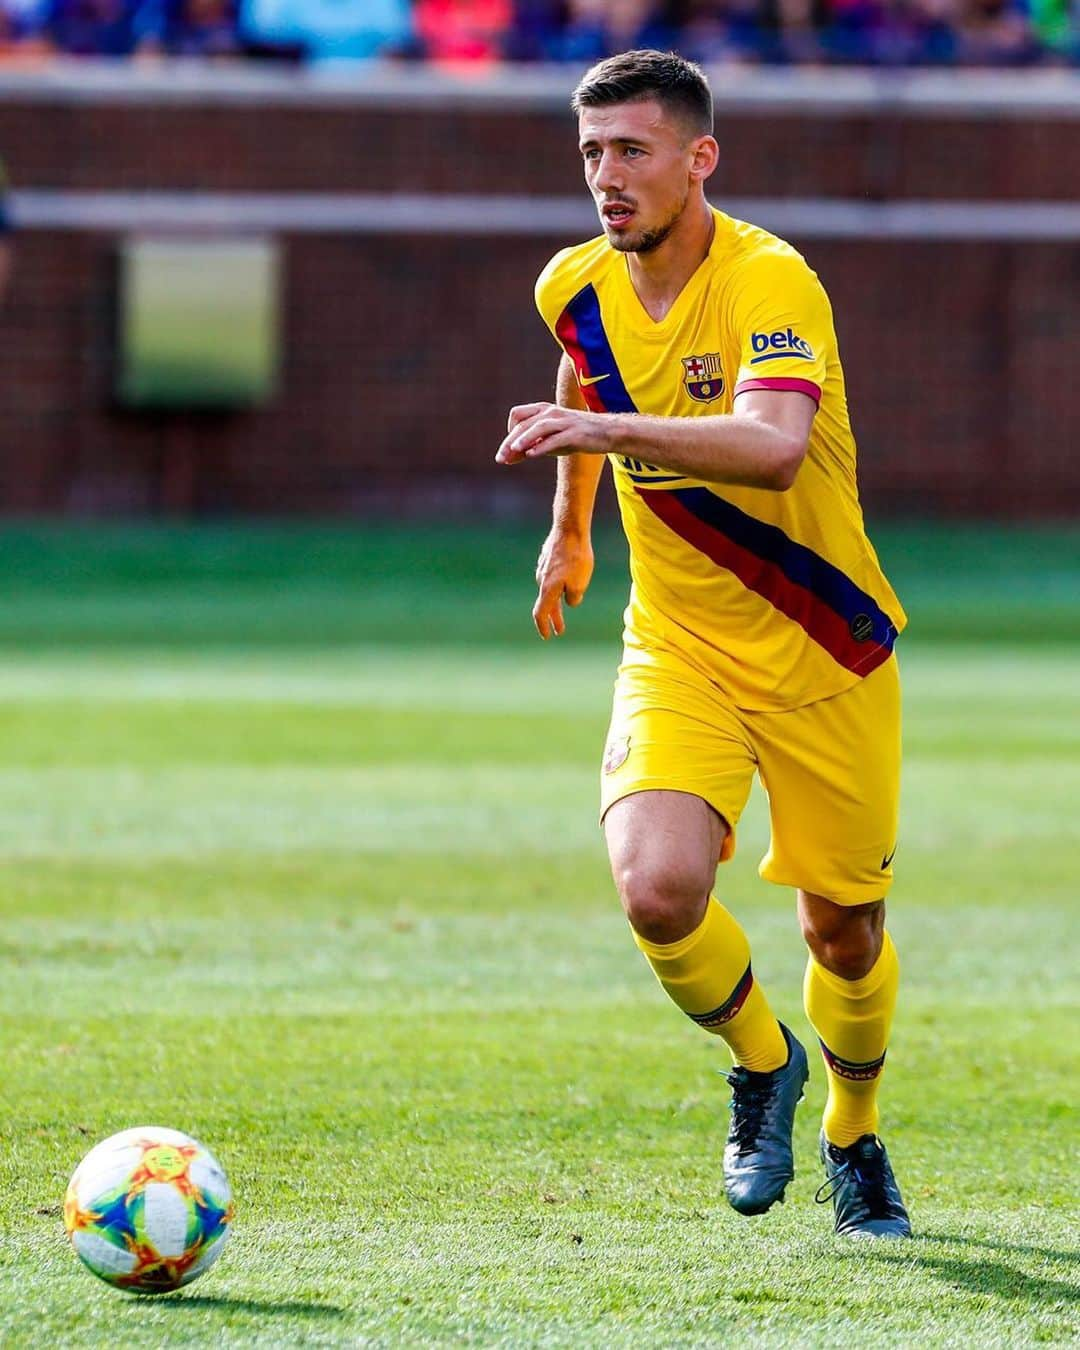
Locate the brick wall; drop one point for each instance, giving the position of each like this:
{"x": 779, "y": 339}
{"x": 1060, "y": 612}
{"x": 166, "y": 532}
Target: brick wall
{"x": 402, "y": 353}
{"x": 289, "y": 148}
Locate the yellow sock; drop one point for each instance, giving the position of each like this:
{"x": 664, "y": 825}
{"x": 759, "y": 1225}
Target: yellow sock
{"x": 707, "y": 974}
{"x": 852, "y": 1019}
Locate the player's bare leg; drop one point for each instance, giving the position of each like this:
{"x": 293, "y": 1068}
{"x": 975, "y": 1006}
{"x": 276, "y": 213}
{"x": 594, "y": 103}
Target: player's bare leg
{"x": 850, "y": 992}
{"x": 664, "y": 848}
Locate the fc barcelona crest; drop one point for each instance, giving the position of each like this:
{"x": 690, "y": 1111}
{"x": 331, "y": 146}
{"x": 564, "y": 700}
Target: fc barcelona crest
{"x": 703, "y": 377}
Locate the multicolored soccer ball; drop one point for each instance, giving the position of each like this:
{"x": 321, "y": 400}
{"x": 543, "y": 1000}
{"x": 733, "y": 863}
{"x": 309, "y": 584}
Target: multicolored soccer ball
{"x": 148, "y": 1210}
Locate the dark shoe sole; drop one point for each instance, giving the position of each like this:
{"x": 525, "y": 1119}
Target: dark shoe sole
{"x": 759, "y": 1209}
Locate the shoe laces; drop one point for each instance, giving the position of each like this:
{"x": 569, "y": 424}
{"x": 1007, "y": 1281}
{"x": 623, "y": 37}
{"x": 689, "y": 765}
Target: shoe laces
{"x": 867, "y": 1172}
{"x": 750, "y": 1095}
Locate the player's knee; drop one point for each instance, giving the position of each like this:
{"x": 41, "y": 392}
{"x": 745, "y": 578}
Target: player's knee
{"x": 845, "y": 939}
{"x": 662, "y": 900}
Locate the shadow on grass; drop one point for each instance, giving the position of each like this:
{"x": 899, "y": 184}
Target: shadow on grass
{"x": 984, "y": 1274}
{"x": 1071, "y": 1257}
{"x": 267, "y": 1306}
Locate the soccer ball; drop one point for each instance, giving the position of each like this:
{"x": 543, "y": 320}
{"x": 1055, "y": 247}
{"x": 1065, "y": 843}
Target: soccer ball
{"x": 148, "y": 1210}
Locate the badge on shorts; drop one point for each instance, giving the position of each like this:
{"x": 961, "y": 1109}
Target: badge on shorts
{"x": 615, "y": 753}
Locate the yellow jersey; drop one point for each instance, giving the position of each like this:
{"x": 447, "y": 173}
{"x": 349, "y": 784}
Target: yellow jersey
{"x": 777, "y": 597}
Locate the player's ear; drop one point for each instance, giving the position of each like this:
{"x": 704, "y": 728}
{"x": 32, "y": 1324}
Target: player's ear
{"x": 705, "y": 157}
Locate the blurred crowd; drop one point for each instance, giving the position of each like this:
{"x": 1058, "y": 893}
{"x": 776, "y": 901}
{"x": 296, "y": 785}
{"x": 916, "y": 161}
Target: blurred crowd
{"x": 470, "y": 32}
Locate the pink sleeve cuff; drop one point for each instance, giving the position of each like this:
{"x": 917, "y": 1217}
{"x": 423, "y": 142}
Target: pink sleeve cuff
{"x": 786, "y": 384}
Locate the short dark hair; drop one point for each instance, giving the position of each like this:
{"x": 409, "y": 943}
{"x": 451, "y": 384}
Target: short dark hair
{"x": 631, "y": 77}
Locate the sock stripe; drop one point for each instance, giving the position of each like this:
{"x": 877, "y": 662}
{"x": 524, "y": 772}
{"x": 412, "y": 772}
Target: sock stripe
{"x": 731, "y": 1006}
{"x": 846, "y": 1068}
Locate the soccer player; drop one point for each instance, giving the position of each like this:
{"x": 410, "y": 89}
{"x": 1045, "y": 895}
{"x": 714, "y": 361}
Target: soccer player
{"x": 699, "y": 358}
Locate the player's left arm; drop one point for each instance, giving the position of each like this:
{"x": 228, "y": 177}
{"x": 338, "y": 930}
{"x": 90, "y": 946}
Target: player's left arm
{"x": 761, "y": 443}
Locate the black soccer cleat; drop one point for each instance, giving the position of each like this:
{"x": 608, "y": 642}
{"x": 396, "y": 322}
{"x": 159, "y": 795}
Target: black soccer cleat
{"x": 860, "y": 1183}
{"x": 758, "y": 1162}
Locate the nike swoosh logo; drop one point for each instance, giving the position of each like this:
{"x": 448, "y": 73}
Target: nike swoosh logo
{"x": 586, "y": 380}
{"x": 886, "y": 861}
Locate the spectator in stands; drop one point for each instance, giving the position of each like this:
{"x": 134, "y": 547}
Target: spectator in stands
{"x": 791, "y": 31}
{"x": 324, "y": 30}
{"x": 534, "y": 33}
{"x": 202, "y": 28}
{"x": 720, "y": 31}
{"x": 1054, "y": 28}
{"x": 851, "y": 28}
{"x": 1056, "y": 24}
{"x": 996, "y": 33}
{"x": 598, "y": 28}
{"x": 891, "y": 32}
{"x": 23, "y": 33}
{"x": 463, "y": 30}
{"x": 104, "y": 27}
{"x": 865, "y": 32}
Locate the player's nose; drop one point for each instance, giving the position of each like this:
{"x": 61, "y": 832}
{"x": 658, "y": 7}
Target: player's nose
{"x": 608, "y": 178}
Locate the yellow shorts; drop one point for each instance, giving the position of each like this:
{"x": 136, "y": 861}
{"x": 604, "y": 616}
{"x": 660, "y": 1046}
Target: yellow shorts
{"x": 831, "y": 770}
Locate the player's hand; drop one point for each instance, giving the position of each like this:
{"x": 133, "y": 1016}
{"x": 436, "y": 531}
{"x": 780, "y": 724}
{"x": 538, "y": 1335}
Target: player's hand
{"x": 563, "y": 571}
{"x": 535, "y": 429}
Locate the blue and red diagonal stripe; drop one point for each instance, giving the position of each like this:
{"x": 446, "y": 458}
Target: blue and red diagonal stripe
{"x": 731, "y": 1006}
{"x": 580, "y": 329}
{"x": 826, "y": 603}
{"x": 848, "y": 1068}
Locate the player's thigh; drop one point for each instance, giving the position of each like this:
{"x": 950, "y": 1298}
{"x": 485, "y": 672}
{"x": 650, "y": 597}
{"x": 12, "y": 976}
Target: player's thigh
{"x": 664, "y": 847}
{"x": 671, "y": 732}
{"x": 832, "y": 774}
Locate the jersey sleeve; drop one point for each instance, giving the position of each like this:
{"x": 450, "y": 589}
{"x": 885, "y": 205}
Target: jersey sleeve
{"x": 784, "y": 327}
{"x": 550, "y": 292}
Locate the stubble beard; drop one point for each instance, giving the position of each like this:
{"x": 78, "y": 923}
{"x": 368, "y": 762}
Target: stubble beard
{"x": 645, "y": 241}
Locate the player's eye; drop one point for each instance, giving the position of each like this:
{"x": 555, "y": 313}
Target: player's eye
{"x": 634, "y": 151}
{"x": 591, "y": 153}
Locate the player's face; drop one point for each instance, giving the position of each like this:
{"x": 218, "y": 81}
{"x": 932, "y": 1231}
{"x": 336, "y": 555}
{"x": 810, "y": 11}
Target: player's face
{"x": 640, "y": 165}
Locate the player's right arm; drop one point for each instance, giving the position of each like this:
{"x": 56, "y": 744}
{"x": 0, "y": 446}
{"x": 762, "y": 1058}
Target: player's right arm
{"x": 565, "y": 566}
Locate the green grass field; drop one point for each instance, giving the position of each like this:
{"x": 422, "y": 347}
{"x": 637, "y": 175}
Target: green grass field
{"x": 298, "y": 854}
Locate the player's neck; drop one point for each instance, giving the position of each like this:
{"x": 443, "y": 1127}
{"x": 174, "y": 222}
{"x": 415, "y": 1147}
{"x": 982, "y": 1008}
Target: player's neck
{"x": 659, "y": 276}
